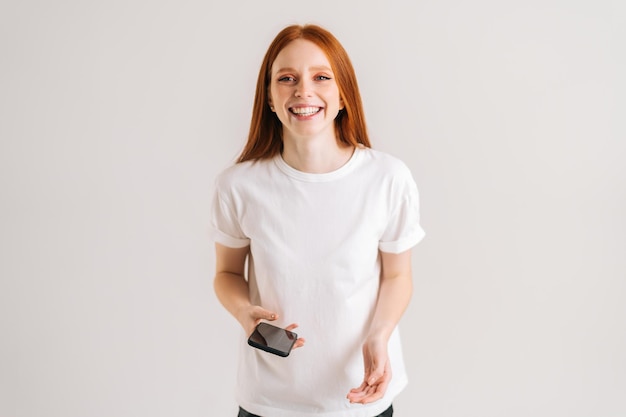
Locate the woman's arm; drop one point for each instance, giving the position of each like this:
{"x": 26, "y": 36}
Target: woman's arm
{"x": 231, "y": 288}
{"x": 396, "y": 286}
{"x": 230, "y": 283}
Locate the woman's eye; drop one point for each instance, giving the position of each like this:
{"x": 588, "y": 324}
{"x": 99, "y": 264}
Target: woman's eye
{"x": 322, "y": 78}
{"x": 286, "y": 78}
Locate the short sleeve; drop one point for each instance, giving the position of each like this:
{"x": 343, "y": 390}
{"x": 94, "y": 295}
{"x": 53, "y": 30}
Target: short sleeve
{"x": 224, "y": 226}
{"x": 403, "y": 230}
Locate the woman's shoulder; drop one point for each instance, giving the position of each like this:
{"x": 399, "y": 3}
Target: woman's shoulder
{"x": 241, "y": 172}
{"x": 384, "y": 162}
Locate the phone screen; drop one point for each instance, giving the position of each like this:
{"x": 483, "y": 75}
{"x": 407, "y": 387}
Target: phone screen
{"x": 272, "y": 339}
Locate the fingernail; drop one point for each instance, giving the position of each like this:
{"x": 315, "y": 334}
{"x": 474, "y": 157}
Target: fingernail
{"x": 273, "y": 316}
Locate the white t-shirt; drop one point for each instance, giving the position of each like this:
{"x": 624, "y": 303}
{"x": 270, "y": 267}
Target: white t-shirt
{"x": 314, "y": 259}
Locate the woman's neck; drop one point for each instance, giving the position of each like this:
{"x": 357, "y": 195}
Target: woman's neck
{"x": 316, "y": 157}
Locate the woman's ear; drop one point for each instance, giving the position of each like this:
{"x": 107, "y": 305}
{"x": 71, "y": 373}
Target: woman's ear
{"x": 269, "y": 102}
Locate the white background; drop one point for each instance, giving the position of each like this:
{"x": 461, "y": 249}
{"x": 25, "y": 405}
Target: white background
{"x": 116, "y": 116}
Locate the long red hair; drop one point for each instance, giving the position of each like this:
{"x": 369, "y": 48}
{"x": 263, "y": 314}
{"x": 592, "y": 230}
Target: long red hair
{"x": 265, "y": 136}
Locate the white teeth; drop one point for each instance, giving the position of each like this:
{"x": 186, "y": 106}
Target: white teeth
{"x": 305, "y": 111}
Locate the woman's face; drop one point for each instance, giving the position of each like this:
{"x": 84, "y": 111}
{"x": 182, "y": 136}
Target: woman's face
{"x": 303, "y": 92}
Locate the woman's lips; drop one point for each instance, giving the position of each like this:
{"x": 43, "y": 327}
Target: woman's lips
{"x": 305, "y": 111}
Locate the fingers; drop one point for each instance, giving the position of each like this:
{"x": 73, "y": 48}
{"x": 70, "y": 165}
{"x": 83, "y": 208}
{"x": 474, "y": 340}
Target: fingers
{"x": 300, "y": 341}
{"x": 366, "y": 393}
{"x": 360, "y": 389}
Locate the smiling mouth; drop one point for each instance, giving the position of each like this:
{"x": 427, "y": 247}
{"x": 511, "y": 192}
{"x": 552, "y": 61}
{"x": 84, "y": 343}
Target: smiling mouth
{"x": 305, "y": 111}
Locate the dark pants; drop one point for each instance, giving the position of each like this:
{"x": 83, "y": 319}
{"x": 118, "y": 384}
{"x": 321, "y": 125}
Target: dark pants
{"x": 387, "y": 413}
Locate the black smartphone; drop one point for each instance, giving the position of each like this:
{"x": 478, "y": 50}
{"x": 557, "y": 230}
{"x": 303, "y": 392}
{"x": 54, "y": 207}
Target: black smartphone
{"x": 272, "y": 339}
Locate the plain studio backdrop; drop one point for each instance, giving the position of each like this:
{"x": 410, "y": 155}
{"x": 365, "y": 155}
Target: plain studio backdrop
{"x": 116, "y": 116}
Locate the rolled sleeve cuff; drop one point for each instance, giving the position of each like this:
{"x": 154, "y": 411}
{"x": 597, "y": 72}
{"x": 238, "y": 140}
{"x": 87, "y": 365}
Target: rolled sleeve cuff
{"x": 399, "y": 246}
{"x": 232, "y": 242}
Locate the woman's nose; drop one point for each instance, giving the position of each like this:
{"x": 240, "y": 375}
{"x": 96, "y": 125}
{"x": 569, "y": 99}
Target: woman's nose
{"x": 303, "y": 88}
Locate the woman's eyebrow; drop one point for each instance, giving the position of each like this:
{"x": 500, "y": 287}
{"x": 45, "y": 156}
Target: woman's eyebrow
{"x": 320, "y": 68}
{"x": 314, "y": 68}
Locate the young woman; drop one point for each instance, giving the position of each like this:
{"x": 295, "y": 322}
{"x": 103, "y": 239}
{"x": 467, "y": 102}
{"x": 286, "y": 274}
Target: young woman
{"x": 324, "y": 225}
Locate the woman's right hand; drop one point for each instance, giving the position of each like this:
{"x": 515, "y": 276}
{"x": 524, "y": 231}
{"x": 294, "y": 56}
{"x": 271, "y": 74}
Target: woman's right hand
{"x": 250, "y": 316}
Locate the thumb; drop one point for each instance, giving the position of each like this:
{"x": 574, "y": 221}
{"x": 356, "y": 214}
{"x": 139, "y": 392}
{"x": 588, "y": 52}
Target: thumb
{"x": 262, "y": 314}
{"x": 377, "y": 371}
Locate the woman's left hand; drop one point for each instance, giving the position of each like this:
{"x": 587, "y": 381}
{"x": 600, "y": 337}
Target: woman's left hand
{"x": 377, "y": 373}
